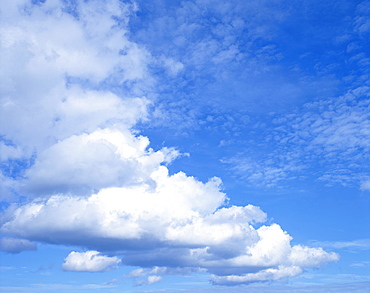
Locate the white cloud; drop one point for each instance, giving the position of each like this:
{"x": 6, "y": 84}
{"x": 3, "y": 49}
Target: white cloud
{"x": 354, "y": 245}
{"x": 124, "y": 213}
{"x": 89, "y": 261}
{"x": 175, "y": 222}
{"x": 154, "y": 279}
{"x": 103, "y": 158}
{"x": 264, "y": 275}
{"x": 15, "y": 245}
{"x": 361, "y": 264}
{"x": 50, "y": 60}
{"x": 55, "y": 58}
{"x": 137, "y": 273}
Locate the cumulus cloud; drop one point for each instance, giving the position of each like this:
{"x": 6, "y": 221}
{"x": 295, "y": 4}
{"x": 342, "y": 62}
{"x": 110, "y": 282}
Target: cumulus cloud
{"x": 89, "y": 261}
{"x": 103, "y": 158}
{"x": 153, "y": 279}
{"x": 64, "y": 58}
{"x": 59, "y": 59}
{"x": 177, "y": 221}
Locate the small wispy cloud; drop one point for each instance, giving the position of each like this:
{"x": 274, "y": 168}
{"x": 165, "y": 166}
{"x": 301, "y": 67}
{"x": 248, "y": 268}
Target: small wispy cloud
{"x": 361, "y": 264}
{"x": 354, "y": 245}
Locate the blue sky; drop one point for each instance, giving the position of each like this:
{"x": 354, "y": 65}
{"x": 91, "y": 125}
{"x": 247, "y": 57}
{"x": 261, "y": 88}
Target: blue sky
{"x": 205, "y": 146}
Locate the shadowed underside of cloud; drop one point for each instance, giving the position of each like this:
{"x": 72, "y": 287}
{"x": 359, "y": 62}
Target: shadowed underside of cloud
{"x": 92, "y": 181}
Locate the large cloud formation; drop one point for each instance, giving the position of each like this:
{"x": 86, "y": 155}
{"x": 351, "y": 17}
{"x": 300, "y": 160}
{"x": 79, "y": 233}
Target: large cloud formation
{"x": 91, "y": 180}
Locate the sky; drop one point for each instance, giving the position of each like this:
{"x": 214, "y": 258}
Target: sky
{"x": 184, "y": 146}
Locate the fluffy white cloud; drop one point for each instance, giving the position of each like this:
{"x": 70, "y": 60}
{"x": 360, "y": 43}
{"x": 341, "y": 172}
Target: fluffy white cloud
{"x": 129, "y": 213}
{"x": 154, "y": 279}
{"x": 104, "y": 158}
{"x": 58, "y": 60}
{"x": 90, "y": 261}
{"x": 53, "y": 57}
{"x": 174, "y": 221}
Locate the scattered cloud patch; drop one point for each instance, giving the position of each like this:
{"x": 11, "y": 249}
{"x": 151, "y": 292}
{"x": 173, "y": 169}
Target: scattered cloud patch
{"x": 332, "y": 134}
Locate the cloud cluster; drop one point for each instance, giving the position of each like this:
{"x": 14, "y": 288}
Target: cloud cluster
{"x": 167, "y": 221}
{"x": 91, "y": 181}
